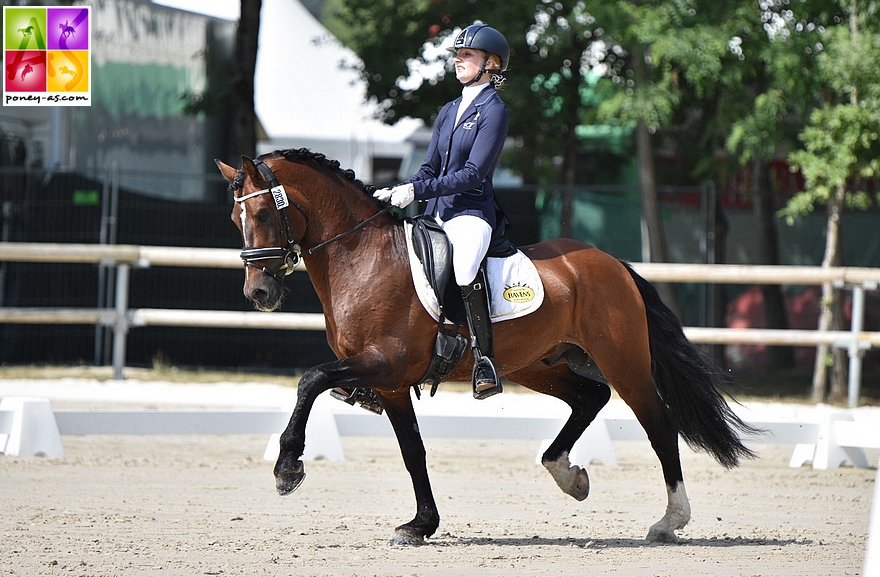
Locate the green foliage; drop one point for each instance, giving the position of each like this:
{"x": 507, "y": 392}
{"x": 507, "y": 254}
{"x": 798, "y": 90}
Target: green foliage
{"x": 841, "y": 148}
{"x": 774, "y": 82}
{"x": 757, "y": 134}
{"x": 841, "y": 138}
{"x": 708, "y": 76}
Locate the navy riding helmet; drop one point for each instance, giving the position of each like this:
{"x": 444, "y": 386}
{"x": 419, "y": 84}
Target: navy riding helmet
{"x": 485, "y": 38}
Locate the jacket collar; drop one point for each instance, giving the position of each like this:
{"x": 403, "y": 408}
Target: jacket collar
{"x": 481, "y": 100}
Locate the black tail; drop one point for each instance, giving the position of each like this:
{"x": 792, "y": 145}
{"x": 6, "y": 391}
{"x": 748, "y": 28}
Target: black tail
{"x": 691, "y": 384}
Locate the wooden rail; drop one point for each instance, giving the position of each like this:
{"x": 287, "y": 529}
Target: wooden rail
{"x": 123, "y": 257}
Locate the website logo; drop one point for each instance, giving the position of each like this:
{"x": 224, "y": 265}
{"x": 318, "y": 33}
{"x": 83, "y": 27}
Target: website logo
{"x": 46, "y": 56}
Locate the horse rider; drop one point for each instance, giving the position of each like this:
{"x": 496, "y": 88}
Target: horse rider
{"x": 456, "y": 180}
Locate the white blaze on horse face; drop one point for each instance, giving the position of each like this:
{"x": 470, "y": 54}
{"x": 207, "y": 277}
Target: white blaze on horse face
{"x": 243, "y": 216}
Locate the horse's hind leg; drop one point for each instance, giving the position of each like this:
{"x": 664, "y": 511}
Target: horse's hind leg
{"x": 662, "y": 432}
{"x": 586, "y": 397}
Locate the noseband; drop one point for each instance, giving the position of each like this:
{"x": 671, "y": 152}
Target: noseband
{"x": 288, "y": 251}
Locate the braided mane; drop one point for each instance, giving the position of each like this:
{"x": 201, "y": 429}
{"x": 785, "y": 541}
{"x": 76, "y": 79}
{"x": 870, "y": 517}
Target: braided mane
{"x": 327, "y": 164}
{"x": 301, "y": 155}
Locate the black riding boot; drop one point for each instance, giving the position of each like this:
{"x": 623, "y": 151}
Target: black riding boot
{"x": 476, "y": 303}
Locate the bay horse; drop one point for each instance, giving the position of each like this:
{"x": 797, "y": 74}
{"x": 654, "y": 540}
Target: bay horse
{"x": 597, "y": 310}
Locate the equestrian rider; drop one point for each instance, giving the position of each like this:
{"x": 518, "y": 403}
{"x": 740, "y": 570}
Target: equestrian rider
{"x": 456, "y": 180}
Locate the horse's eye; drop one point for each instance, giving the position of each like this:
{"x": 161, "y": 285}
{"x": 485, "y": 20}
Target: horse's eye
{"x": 263, "y": 217}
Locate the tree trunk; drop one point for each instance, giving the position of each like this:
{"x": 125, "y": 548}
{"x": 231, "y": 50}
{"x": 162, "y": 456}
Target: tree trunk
{"x": 719, "y": 291}
{"x": 243, "y": 136}
{"x": 566, "y": 215}
{"x": 775, "y": 315}
{"x": 572, "y": 120}
{"x": 830, "y": 296}
{"x": 840, "y": 357}
{"x": 648, "y": 185}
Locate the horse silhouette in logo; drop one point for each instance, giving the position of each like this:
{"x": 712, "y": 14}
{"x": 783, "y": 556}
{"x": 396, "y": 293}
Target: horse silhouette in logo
{"x": 26, "y": 32}
{"x": 66, "y": 30}
{"x": 26, "y": 70}
{"x": 65, "y": 70}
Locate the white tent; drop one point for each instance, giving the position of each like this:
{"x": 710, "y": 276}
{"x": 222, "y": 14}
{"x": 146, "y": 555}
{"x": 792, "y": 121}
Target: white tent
{"x": 306, "y": 93}
{"x": 305, "y": 96}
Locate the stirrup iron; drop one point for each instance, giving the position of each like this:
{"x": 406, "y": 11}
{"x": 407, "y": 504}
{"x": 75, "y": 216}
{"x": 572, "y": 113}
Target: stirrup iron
{"x": 483, "y": 389}
{"x": 365, "y": 397}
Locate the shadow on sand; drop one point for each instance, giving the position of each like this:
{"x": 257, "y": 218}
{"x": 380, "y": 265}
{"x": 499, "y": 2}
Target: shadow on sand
{"x": 586, "y": 543}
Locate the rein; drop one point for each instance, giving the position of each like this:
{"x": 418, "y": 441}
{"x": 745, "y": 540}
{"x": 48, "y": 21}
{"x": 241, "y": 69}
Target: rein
{"x": 288, "y": 251}
{"x": 356, "y": 228}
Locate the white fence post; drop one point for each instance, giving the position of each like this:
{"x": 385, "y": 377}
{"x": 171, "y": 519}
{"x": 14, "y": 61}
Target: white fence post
{"x": 856, "y": 350}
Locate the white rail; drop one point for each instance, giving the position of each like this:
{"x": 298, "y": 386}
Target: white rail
{"x": 121, "y": 319}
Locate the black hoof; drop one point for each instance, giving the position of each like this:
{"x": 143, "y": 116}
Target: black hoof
{"x": 287, "y": 482}
{"x": 405, "y": 536}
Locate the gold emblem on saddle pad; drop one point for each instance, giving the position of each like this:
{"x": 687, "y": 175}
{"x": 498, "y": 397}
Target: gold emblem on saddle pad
{"x": 519, "y": 294}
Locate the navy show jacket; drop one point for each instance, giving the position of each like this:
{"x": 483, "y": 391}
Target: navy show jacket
{"x": 456, "y": 176}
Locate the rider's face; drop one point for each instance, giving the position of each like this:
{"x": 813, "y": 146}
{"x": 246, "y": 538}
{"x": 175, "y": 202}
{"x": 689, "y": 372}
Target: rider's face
{"x": 467, "y": 64}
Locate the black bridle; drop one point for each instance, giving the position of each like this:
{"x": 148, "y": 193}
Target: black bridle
{"x": 288, "y": 252}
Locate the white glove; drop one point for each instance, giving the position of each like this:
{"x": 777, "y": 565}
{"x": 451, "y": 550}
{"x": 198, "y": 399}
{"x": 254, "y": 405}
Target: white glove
{"x": 383, "y": 194}
{"x": 399, "y": 196}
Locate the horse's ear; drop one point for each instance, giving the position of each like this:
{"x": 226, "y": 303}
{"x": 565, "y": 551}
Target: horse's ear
{"x": 227, "y": 171}
{"x": 249, "y": 168}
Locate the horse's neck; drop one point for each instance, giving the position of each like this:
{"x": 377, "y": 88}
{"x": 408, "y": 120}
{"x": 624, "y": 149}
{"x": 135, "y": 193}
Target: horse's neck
{"x": 370, "y": 254}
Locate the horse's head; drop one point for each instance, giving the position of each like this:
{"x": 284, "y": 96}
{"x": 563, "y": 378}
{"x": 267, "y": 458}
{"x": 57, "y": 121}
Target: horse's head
{"x": 318, "y": 206}
{"x": 268, "y": 232}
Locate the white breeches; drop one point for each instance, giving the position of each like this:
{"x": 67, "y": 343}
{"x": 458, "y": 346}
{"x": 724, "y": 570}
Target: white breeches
{"x": 470, "y": 237}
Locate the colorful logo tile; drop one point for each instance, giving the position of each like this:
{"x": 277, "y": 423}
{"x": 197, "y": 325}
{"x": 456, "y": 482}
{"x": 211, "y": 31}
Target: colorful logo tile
{"x": 46, "y": 57}
{"x": 28, "y": 71}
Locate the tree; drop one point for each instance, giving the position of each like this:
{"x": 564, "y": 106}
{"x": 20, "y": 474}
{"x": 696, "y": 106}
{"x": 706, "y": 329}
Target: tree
{"x": 234, "y": 92}
{"x": 244, "y": 118}
{"x": 556, "y": 46}
{"x": 841, "y": 148}
{"x": 770, "y": 91}
{"x": 654, "y": 70}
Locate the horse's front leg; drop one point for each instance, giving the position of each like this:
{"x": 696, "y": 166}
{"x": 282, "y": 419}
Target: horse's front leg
{"x": 359, "y": 370}
{"x": 399, "y": 408}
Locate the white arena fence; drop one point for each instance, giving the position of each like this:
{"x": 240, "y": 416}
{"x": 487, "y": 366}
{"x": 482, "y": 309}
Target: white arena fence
{"x": 827, "y": 438}
{"x": 121, "y": 318}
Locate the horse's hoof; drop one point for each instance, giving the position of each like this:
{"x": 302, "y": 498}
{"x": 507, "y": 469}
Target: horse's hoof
{"x": 656, "y": 535}
{"x": 287, "y": 482}
{"x": 406, "y": 537}
{"x": 581, "y": 487}
{"x": 573, "y": 480}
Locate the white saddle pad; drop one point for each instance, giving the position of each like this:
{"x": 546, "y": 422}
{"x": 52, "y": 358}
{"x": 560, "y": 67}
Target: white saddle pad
{"x": 516, "y": 287}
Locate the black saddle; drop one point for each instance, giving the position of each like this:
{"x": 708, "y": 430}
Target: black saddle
{"x": 434, "y": 251}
